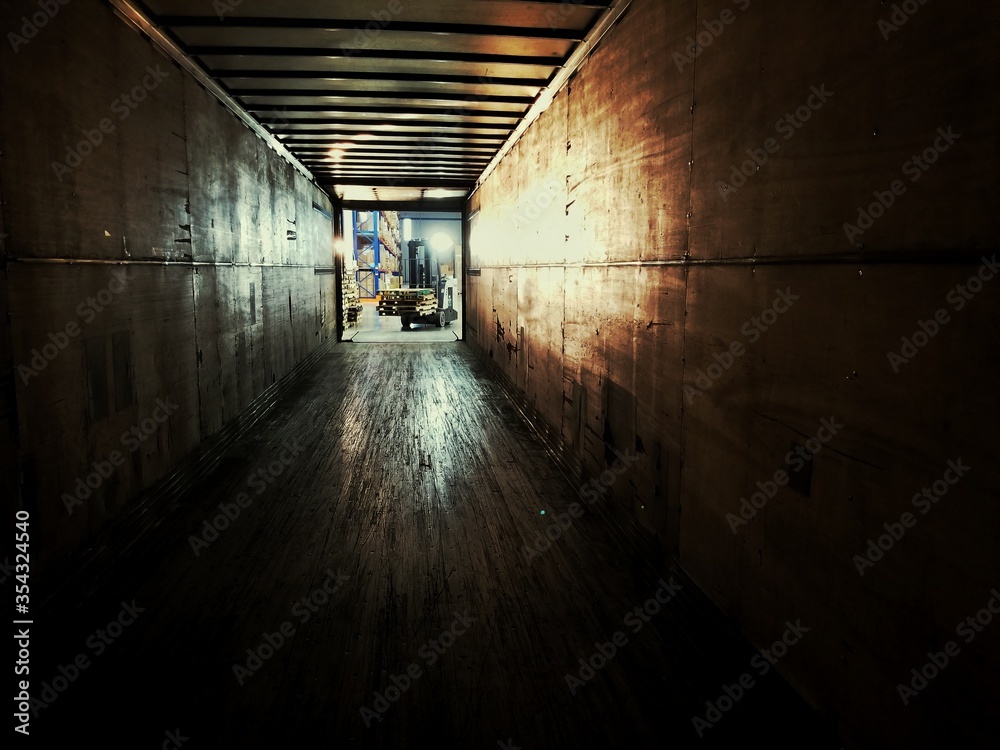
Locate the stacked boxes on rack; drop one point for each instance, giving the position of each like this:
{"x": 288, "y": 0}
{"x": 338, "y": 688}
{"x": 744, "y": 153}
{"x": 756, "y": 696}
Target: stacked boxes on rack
{"x": 352, "y": 295}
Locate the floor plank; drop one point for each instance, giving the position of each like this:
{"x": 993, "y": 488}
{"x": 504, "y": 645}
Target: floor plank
{"x": 418, "y": 482}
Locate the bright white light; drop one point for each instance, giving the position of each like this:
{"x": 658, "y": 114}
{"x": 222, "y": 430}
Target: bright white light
{"x": 340, "y": 247}
{"x": 442, "y": 243}
{"x": 337, "y": 152}
{"x": 439, "y": 193}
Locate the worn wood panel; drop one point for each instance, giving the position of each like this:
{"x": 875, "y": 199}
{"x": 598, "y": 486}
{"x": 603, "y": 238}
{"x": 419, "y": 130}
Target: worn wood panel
{"x": 540, "y": 311}
{"x": 629, "y": 116}
{"x": 827, "y": 358}
{"x": 614, "y": 305}
{"x": 178, "y": 179}
{"x": 534, "y": 222}
{"x": 58, "y": 436}
{"x": 98, "y": 217}
{"x": 39, "y": 130}
{"x": 658, "y": 373}
{"x": 217, "y": 220}
{"x": 586, "y": 360}
{"x": 213, "y": 305}
{"x": 887, "y": 100}
{"x": 503, "y": 321}
{"x": 713, "y": 448}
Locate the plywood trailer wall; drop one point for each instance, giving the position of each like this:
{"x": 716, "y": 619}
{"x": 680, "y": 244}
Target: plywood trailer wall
{"x": 739, "y": 234}
{"x": 161, "y": 267}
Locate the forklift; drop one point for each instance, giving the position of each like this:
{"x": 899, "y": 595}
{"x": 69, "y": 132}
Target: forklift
{"x": 425, "y": 296}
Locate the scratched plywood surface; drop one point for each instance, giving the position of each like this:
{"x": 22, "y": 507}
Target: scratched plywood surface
{"x": 659, "y": 367}
{"x": 827, "y": 358}
{"x": 629, "y": 144}
{"x": 633, "y": 339}
{"x": 442, "y": 530}
{"x": 180, "y": 179}
{"x": 889, "y": 97}
{"x": 53, "y": 415}
{"x": 540, "y": 309}
{"x": 56, "y": 93}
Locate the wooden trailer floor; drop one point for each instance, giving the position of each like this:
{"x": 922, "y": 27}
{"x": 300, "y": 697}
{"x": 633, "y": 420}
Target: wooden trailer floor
{"x": 419, "y": 485}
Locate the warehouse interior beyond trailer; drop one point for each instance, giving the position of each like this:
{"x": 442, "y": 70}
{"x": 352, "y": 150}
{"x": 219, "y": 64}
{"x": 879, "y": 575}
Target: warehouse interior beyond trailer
{"x": 501, "y": 374}
{"x": 401, "y": 277}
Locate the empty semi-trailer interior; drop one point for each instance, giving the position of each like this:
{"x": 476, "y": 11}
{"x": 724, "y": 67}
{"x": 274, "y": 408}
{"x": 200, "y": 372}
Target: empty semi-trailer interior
{"x": 500, "y": 373}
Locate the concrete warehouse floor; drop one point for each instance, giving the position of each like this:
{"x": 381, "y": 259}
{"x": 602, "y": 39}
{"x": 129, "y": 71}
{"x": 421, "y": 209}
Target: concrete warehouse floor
{"x": 387, "y": 330}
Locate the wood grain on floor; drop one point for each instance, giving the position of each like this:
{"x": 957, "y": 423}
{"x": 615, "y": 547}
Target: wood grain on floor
{"x": 416, "y": 482}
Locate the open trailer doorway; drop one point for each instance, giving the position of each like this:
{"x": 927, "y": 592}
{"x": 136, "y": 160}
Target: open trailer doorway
{"x": 402, "y": 279}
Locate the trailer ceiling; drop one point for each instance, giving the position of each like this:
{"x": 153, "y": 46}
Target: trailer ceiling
{"x": 387, "y": 100}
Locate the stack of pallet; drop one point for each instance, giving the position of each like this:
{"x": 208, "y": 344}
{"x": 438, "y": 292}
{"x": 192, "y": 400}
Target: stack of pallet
{"x": 407, "y": 302}
{"x": 352, "y": 296}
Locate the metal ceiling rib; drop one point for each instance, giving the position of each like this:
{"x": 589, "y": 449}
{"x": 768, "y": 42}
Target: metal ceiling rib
{"x": 384, "y": 100}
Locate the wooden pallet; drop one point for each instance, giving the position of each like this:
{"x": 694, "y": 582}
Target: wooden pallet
{"x": 411, "y": 302}
{"x": 406, "y": 294}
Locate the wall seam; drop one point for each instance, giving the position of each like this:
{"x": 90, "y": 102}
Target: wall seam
{"x": 681, "y": 437}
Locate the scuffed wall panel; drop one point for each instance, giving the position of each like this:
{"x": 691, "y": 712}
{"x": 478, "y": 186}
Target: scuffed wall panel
{"x": 153, "y": 307}
{"x": 190, "y": 208}
{"x": 659, "y": 370}
{"x": 540, "y": 306}
{"x": 821, "y": 370}
{"x": 629, "y": 133}
{"x": 846, "y": 114}
{"x": 78, "y": 118}
{"x": 704, "y": 328}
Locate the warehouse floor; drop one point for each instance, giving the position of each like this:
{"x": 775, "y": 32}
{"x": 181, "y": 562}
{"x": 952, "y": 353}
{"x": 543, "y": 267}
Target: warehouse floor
{"x": 381, "y": 549}
{"x": 374, "y": 329}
